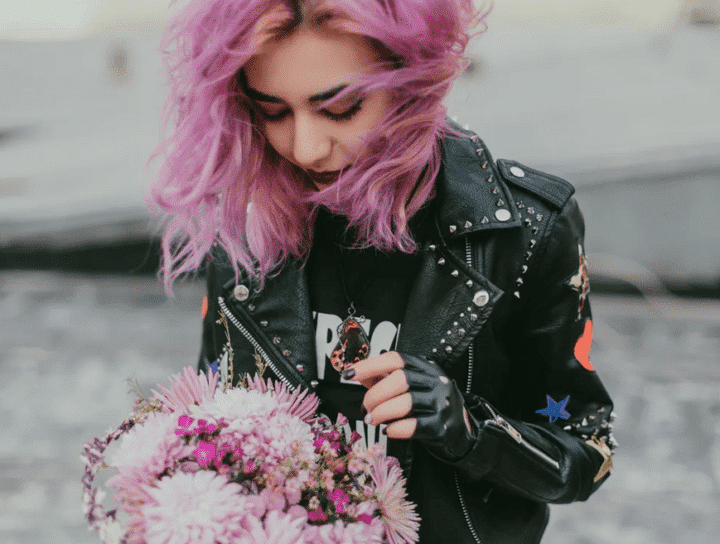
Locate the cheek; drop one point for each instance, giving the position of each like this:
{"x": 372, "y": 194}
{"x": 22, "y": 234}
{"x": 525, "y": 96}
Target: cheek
{"x": 277, "y": 137}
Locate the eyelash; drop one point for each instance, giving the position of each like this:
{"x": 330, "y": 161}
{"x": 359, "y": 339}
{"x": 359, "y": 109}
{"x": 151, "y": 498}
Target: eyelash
{"x": 339, "y": 117}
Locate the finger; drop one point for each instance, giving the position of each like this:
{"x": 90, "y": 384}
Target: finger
{"x": 374, "y": 367}
{"x": 403, "y": 429}
{"x": 391, "y": 386}
{"x": 390, "y": 410}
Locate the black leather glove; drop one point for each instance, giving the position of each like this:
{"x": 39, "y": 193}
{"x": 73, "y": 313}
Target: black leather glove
{"x": 438, "y": 407}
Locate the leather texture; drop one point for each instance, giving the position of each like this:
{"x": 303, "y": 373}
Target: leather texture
{"x": 437, "y": 404}
{"x": 499, "y": 305}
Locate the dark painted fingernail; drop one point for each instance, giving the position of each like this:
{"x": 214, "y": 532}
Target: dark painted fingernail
{"x": 384, "y": 430}
{"x": 348, "y": 374}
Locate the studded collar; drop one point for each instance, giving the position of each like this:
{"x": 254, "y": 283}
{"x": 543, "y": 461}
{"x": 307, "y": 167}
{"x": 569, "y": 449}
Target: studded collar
{"x": 472, "y": 194}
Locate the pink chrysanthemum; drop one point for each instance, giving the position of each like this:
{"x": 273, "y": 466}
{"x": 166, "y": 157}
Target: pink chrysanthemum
{"x": 278, "y": 528}
{"x": 199, "y": 508}
{"x": 186, "y": 390}
{"x": 399, "y": 518}
{"x": 342, "y": 533}
{"x": 146, "y": 451}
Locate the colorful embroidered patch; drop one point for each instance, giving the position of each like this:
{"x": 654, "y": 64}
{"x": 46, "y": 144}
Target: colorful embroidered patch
{"x": 554, "y": 409}
{"x": 580, "y": 281}
{"x": 204, "y": 307}
{"x": 583, "y": 345}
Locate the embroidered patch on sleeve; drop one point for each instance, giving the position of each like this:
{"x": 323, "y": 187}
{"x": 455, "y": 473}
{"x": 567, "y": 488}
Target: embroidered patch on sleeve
{"x": 554, "y": 409}
{"x": 204, "y": 307}
{"x": 580, "y": 281}
{"x": 583, "y": 345}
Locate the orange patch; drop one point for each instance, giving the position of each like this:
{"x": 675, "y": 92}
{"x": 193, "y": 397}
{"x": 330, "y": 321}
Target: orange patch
{"x": 204, "y": 307}
{"x": 582, "y": 346}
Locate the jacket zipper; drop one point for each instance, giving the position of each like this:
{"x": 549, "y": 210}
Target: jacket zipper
{"x": 255, "y": 344}
{"x": 512, "y": 431}
{"x": 476, "y": 537}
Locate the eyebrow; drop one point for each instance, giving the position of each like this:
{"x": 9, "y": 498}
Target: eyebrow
{"x": 319, "y": 97}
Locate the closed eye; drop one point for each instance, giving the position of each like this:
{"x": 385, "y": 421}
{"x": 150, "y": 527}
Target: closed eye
{"x": 339, "y": 117}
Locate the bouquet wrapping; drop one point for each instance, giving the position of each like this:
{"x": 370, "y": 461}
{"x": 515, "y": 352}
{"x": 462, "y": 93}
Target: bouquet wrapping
{"x": 200, "y": 463}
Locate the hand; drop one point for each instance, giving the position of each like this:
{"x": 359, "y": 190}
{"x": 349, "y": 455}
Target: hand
{"x": 402, "y": 385}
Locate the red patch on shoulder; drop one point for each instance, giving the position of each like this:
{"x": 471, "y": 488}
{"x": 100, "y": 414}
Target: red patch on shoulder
{"x": 204, "y": 307}
{"x": 582, "y": 346}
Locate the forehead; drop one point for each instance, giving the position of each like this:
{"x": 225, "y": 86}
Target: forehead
{"x": 307, "y": 62}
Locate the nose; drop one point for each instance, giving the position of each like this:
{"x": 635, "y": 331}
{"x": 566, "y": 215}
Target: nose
{"x": 311, "y": 146}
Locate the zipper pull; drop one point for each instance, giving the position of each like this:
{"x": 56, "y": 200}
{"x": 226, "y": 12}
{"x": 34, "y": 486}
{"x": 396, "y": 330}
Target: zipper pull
{"x": 500, "y": 422}
{"x": 512, "y": 431}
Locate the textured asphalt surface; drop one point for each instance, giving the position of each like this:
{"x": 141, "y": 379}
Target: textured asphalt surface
{"x": 68, "y": 342}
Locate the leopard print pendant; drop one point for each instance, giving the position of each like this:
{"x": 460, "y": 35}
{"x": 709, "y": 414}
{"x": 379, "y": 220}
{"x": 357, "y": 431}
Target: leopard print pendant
{"x": 353, "y": 344}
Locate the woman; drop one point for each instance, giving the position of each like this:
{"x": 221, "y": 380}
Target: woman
{"x": 369, "y": 249}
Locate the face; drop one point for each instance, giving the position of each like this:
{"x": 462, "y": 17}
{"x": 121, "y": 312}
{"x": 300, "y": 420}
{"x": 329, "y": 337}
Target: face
{"x": 288, "y": 79}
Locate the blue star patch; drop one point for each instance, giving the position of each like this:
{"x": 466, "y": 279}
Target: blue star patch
{"x": 554, "y": 409}
{"x": 212, "y": 366}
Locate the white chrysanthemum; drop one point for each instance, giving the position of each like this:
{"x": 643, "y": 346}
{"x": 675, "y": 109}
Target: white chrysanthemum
{"x": 238, "y": 404}
{"x": 148, "y": 446}
{"x": 198, "y": 508}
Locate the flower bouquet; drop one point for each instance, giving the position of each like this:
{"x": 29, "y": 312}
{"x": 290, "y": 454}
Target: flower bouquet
{"x": 200, "y": 463}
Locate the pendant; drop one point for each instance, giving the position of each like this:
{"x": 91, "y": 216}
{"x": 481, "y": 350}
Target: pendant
{"x": 353, "y": 344}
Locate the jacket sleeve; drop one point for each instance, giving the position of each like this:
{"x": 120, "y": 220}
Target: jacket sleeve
{"x": 566, "y": 460}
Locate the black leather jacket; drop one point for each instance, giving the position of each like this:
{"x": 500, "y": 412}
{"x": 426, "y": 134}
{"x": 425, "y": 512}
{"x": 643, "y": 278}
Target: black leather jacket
{"x": 500, "y": 303}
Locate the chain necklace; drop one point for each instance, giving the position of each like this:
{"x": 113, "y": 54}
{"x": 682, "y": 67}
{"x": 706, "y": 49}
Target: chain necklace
{"x": 353, "y": 344}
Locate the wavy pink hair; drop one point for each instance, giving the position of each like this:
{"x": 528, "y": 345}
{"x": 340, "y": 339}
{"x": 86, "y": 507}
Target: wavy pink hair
{"x": 217, "y": 161}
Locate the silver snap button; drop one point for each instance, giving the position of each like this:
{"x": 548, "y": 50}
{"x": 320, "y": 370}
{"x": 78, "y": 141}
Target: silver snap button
{"x": 241, "y": 293}
{"x": 481, "y": 298}
{"x": 503, "y": 215}
{"x": 444, "y": 379}
{"x": 314, "y": 383}
{"x": 517, "y": 172}
{"x": 300, "y": 368}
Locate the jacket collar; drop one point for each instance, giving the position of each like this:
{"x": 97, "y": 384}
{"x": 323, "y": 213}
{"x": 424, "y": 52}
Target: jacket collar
{"x": 472, "y": 195}
{"x": 449, "y": 302}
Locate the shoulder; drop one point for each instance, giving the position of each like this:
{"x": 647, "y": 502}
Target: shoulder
{"x": 555, "y": 192}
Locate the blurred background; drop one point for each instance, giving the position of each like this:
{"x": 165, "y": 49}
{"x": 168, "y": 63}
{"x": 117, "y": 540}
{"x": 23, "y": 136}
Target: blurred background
{"x": 620, "y": 98}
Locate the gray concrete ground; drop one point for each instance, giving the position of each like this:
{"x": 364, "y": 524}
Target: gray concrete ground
{"x": 68, "y": 342}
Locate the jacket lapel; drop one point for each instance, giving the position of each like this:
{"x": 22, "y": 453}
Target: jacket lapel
{"x": 449, "y": 301}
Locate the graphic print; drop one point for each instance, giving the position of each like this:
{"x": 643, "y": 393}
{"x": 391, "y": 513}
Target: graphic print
{"x": 378, "y": 338}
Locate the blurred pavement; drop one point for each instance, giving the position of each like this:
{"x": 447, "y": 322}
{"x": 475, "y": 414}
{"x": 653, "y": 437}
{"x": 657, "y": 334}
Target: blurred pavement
{"x": 68, "y": 342}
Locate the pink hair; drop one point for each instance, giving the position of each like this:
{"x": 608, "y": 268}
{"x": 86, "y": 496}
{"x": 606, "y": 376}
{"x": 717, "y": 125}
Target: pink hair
{"x": 218, "y": 162}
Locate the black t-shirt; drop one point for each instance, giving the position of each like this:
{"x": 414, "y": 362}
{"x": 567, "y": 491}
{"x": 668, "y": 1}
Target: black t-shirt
{"x": 379, "y": 284}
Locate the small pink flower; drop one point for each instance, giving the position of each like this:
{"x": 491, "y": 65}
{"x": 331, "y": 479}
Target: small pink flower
{"x": 342, "y": 420}
{"x": 365, "y": 518}
{"x": 205, "y": 452}
{"x": 248, "y": 467}
{"x": 355, "y": 465}
{"x": 334, "y": 436}
{"x": 354, "y": 437}
{"x": 184, "y": 422}
{"x": 317, "y": 515}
